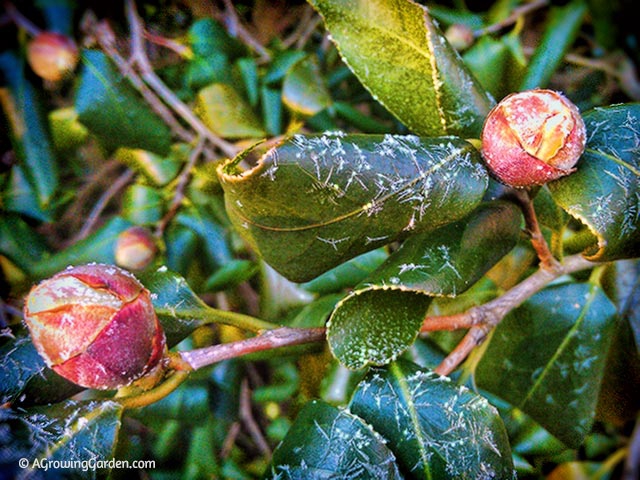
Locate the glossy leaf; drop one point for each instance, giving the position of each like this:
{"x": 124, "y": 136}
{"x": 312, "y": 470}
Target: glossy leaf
{"x": 399, "y": 54}
{"x": 374, "y": 326}
{"x": 435, "y": 428}
{"x": 158, "y": 169}
{"x": 25, "y": 379}
{"x": 73, "y": 431}
{"x": 604, "y": 193}
{"x": 331, "y": 197}
{"x": 382, "y": 316}
{"x": 347, "y": 274}
{"x": 113, "y": 111}
{"x": 29, "y": 129}
{"x": 325, "y": 442}
{"x": 547, "y": 358}
{"x": 304, "y": 90}
{"x": 226, "y": 113}
{"x": 179, "y": 309}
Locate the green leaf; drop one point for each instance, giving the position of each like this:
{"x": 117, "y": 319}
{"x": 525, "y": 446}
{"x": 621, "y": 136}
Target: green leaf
{"x": 29, "y": 129}
{"x": 547, "y": 358}
{"x": 347, "y": 274}
{"x": 375, "y": 325}
{"x": 328, "y": 198}
{"x": 158, "y": 169}
{"x": 304, "y": 90}
{"x": 179, "y": 309}
{"x": 325, "y": 442}
{"x": 113, "y": 111}
{"x": 604, "y": 193}
{"x": 561, "y": 31}
{"x": 143, "y": 204}
{"x": 98, "y": 247}
{"x": 73, "y": 431}
{"x": 20, "y": 243}
{"x": 398, "y": 53}
{"x": 382, "y": 316}
{"x": 226, "y": 113}
{"x": 436, "y": 429}
{"x": 67, "y": 133}
{"x": 447, "y": 261}
{"x": 25, "y": 379}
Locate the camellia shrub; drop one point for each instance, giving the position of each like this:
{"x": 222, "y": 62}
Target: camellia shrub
{"x": 325, "y": 239}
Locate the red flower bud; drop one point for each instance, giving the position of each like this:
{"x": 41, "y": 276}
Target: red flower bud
{"x": 95, "y": 325}
{"x": 52, "y": 55}
{"x": 135, "y": 248}
{"x": 533, "y": 137}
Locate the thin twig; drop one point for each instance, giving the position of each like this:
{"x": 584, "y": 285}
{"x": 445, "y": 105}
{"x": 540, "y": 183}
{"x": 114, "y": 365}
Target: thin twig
{"x": 237, "y": 29}
{"x": 632, "y": 463}
{"x": 483, "y": 318}
{"x": 183, "y": 181}
{"x": 139, "y": 58}
{"x": 540, "y": 245}
{"x": 21, "y": 21}
{"x": 102, "y": 203}
{"x": 270, "y": 339}
{"x": 513, "y": 18}
{"x": 246, "y": 415}
{"x": 106, "y": 39}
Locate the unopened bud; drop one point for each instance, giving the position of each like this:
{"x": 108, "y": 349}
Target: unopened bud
{"x": 52, "y": 56}
{"x": 533, "y": 137}
{"x": 459, "y": 36}
{"x": 135, "y": 248}
{"x": 96, "y": 326}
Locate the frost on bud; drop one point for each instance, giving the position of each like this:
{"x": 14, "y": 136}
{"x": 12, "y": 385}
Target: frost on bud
{"x": 52, "y": 56}
{"x": 135, "y": 248}
{"x": 533, "y": 137}
{"x": 95, "y": 325}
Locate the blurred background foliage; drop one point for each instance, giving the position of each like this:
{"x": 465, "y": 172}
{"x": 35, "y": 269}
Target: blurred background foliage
{"x": 133, "y": 137}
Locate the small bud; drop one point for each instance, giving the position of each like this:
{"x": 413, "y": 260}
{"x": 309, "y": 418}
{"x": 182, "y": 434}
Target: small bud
{"x": 533, "y": 137}
{"x": 459, "y": 36}
{"x": 135, "y": 248}
{"x": 52, "y": 56}
{"x": 95, "y": 325}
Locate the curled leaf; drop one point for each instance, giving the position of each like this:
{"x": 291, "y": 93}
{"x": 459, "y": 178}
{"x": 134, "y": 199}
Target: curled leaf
{"x": 315, "y": 201}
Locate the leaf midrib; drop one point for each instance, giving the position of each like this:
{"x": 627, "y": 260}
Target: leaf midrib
{"x": 445, "y": 161}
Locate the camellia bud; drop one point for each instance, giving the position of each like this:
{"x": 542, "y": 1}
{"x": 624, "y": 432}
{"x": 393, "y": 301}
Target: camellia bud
{"x": 135, "y": 248}
{"x": 52, "y": 55}
{"x": 459, "y": 36}
{"x": 95, "y": 325}
{"x": 533, "y": 137}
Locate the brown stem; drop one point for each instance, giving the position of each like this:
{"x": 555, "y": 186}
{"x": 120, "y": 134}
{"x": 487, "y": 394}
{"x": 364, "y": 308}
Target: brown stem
{"x": 106, "y": 39}
{"x": 540, "y": 245}
{"x": 102, "y": 203}
{"x": 237, "y": 29}
{"x": 247, "y": 418}
{"x": 140, "y": 59}
{"x": 270, "y": 339}
{"x": 21, "y": 21}
{"x": 513, "y": 18}
{"x": 183, "y": 181}
{"x": 483, "y": 318}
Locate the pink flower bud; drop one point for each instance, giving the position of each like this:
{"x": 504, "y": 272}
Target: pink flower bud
{"x": 95, "y": 325}
{"x": 135, "y": 248}
{"x": 52, "y": 55}
{"x": 533, "y": 137}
